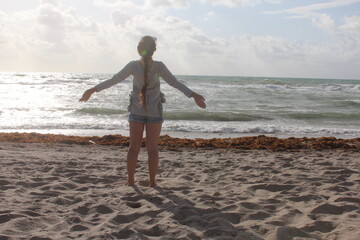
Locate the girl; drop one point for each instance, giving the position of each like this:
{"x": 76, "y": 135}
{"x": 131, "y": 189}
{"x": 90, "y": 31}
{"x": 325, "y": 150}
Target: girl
{"x": 145, "y": 104}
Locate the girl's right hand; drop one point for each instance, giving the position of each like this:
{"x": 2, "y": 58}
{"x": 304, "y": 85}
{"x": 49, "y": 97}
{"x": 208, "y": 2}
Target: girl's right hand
{"x": 87, "y": 94}
{"x": 199, "y": 100}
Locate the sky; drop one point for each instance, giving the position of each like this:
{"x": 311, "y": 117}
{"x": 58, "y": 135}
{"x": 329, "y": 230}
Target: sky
{"x": 265, "y": 38}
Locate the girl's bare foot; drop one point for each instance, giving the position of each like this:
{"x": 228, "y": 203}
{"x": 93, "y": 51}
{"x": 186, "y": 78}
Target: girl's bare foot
{"x": 130, "y": 183}
{"x": 146, "y": 183}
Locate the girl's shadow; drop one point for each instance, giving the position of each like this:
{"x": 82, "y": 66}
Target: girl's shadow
{"x": 211, "y": 222}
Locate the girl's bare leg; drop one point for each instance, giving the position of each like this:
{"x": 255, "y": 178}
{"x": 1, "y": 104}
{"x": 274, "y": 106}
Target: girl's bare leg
{"x": 152, "y": 137}
{"x": 136, "y": 135}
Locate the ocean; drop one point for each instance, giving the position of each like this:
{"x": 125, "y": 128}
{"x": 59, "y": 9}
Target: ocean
{"x": 237, "y": 106}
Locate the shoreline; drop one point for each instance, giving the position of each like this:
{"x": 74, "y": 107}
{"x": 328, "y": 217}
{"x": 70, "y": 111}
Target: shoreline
{"x": 174, "y": 134}
{"x": 260, "y": 142}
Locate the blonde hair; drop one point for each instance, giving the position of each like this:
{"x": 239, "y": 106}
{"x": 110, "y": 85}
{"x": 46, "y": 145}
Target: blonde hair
{"x": 146, "y": 49}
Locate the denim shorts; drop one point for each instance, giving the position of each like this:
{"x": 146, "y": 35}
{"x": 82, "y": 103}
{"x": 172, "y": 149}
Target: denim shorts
{"x": 145, "y": 119}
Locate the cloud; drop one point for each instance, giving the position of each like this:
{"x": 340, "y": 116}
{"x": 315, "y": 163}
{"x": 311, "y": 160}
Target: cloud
{"x": 115, "y": 4}
{"x": 276, "y": 49}
{"x": 207, "y": 16}
{"x": 238, "y": 3}
{"x": 348, "y": 27}
{"x": 50, "y": 39}
{"x": 345, "y": 33}
{"x": 174, "y": 34}
{"x": 324, "y": 21}
{"x": 7, "y": 39}
{"x": 120, "y": 17}
{"x": 273, "y": 56}
{"x": 351, "y": 25}
{"x": 312, "y": 8}
{"x": 54, "y": 38}
{"x": 55, "y": 3}
{"x": 315, "y": 11}
{"x": 232, "y": 3}
{"x": 146, "y": 4}
{"x": 61, "y": 27}
{"x": 168, "y": 3}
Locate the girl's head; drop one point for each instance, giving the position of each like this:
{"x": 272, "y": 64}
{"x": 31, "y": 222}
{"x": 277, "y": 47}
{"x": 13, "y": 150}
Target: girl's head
{"x": 147, "y": 47}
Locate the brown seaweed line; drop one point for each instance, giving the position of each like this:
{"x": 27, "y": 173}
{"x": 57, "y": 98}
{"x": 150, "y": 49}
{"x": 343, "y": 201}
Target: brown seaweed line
{"x": 260, "y": 142}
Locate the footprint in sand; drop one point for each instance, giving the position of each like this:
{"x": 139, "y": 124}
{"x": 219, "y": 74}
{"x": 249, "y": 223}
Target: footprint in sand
{"x": 31, "y": 213}
{"x": 27, "y": 224}
{"x": 273, "y": 187}
{"x": 259, "y": 215}
{"x": 82, "y": 210}
{"x": 348, "y": 199}
{"x": 103, "y": 209}
{"x": 78, "y": 228}
{"x": 123, "y": 234}
{"x": 155, "y": 231}
{"x": 132, "y": 201}
{"x": 338, "y": 189}
{"x": 333, "y": 209}
{"x": 246, "y": 168}
{"x": 286, "y": 233}
{"x": 133, "y": 204}
{"x": 319, "y": 226}
{"x": 250, "y": 205}
{"x": 340, "y": 171}
{"x": 5, "y": 185}
{"x": 129, "y": 218}
{"x": 304, "y": 198}
{"x": 8, "y": 217}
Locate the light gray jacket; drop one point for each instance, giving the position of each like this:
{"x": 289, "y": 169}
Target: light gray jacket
{"x": 153, "y": 94}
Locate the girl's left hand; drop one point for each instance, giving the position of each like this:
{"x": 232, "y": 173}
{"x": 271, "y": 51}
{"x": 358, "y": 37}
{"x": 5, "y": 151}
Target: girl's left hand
{"x": 87, "y": 94}
{"x": 199, "y": 100}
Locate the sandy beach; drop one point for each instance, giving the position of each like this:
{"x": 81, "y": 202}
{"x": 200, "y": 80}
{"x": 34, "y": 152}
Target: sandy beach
{"x": 67, "y": 189}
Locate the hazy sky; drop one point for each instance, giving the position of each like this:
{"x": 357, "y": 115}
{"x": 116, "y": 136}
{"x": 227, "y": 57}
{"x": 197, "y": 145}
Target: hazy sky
{"x": 274, "y": 38}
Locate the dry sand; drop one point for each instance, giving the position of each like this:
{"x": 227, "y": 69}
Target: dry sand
{"x": 69, "y": 191}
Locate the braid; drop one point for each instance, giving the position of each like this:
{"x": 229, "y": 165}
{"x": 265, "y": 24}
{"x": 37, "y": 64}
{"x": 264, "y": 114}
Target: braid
{"x": 146, "y": 49}
{"x": 146, "y": 82}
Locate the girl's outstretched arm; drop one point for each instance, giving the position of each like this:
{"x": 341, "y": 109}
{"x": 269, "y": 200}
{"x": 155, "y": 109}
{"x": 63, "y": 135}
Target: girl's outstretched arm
{"x": 172, "y": 81}
{"x": 199, "y": 100}
{"x": 87, "y": 94}
{"x": 117, "y": 78}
